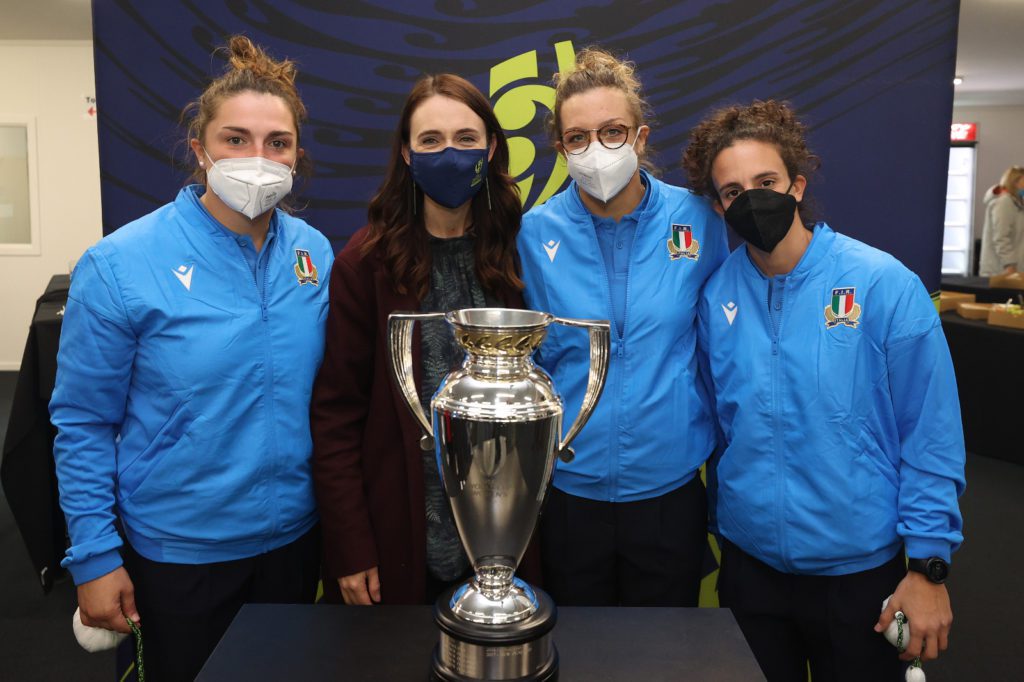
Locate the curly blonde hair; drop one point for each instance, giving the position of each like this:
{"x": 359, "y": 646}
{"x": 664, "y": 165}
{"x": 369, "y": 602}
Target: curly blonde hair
{"x": 767, "y": 121}
{"x": 596, "y": 67}
{"x": 250, "y": 69}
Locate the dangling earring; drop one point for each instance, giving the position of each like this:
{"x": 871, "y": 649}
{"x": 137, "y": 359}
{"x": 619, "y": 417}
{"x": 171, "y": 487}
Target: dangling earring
{"x": 412, "y": 195}
{"x": 487, "y": 186}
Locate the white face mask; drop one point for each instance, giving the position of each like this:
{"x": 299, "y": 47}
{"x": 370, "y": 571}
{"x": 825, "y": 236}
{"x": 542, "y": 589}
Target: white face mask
{"x": 250, "y": 185}
{"x": 603, "y": 172}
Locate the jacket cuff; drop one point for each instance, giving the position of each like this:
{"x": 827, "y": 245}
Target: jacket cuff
{"x": 94, "y": 567}
{"x": 925, "y": 548}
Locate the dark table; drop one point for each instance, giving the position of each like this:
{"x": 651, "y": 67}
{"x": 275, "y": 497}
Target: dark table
{"x": 979, "y": 287}
{"x": 989, "y": 364}
{"x": 394, "y": 643}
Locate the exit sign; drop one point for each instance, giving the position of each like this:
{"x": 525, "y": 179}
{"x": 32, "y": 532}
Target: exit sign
{"x": 963, "y": 132}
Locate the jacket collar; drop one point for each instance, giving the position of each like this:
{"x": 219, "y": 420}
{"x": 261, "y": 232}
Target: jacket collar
{"x": 818, "y": 249}
{"x": 189, "y": 205}
{"x": 650, "y": 203}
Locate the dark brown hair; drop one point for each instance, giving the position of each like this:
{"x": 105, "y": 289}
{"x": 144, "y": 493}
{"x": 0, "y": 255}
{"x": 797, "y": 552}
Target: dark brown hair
{"x": 768, "y": 121}
{"x": 250, "y": 69}
{"x": 598, "y": 68}
{"x": 396, "y": 226}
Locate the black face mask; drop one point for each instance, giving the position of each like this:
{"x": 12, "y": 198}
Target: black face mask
{"x": 762, "y": 216}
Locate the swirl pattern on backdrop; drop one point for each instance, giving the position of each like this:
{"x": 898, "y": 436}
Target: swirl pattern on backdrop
{"x": 872, "y": 79}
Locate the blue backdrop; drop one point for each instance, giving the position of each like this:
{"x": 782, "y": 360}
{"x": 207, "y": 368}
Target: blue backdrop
{"x": 873, "y": 80}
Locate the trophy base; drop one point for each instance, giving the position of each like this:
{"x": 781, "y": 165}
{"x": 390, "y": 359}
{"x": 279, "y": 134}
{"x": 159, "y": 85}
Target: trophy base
{"x": 510, "y": 652}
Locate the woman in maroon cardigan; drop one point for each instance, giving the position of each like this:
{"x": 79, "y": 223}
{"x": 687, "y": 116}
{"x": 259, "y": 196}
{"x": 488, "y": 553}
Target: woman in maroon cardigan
{"x": 441, "y": 236}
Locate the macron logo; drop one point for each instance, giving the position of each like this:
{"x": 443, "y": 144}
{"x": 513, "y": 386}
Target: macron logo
{"x": 552, "y": 248}
{"x": 730, "y": 309}
{"x": 184, "y": 275}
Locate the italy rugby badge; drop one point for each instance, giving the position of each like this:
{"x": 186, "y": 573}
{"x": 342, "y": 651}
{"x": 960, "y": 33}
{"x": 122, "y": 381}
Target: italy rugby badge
{"x": 843, "y": 309}
{"x": 682, "y": 243}
{"x": 305, "y": 271}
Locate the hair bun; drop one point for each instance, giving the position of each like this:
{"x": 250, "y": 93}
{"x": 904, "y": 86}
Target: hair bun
{"x": 244, "y": 55}
{"x": 595, "y": 59}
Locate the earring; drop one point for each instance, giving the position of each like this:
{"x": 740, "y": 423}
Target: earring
{"x": 487, "y": 186}
{"x": 202, "y": 164}
{"x": 412, "y": 195}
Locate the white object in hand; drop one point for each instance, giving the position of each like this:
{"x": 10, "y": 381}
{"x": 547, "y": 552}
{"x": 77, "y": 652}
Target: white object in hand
{"x": 892, "y": 632}
{"x": 915, "y": 674}
{"x": 94, "y": 639}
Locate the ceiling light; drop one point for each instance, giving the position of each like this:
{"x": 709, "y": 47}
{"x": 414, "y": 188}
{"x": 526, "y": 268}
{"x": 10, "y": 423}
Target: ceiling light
{"x": 957, "y": 80}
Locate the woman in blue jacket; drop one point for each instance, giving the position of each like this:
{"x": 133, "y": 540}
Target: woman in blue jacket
{"x": 626, "y": 521}
{"x": 837, "y": 402}
{"x": 187, "y": 357}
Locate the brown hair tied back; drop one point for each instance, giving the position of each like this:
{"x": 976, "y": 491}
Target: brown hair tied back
{"x": 249, "y": 69}
{"x": 768, "y": 121}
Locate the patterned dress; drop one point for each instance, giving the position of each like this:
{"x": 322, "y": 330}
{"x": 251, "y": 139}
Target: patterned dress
{"x": 453, "y": 286}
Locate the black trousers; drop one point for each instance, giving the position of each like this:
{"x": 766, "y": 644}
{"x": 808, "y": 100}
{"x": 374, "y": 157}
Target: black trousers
{"x": 186, "y": 608}
{"x": 790, "y": 620}
{"x": 645, "y": 553}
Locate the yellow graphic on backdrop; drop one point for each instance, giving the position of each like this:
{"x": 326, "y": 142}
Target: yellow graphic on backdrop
{"x": 517, "y": 108}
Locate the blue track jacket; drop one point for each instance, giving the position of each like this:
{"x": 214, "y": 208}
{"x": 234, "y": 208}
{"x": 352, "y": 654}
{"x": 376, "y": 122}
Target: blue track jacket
{"x": 652, "y": 428}
{"x": 183, "y": 385}
{"x": 836, "y": 396}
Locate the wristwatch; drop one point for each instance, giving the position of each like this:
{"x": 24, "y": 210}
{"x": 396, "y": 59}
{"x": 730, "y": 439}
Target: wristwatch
{"x": 934, "y": 568}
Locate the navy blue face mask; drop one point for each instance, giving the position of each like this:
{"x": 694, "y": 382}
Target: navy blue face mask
{"x": 450, "y": 177}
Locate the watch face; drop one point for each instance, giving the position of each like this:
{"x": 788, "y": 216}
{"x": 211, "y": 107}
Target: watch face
{"x": 937, "y": 570}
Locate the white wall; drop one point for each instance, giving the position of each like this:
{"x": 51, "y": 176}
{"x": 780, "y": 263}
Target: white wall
{"x": 1000, "y": 145}
{"x": 48, "y": 81}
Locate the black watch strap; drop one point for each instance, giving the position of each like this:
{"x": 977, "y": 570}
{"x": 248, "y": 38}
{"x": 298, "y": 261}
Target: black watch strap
{"x": 933, "y": 568}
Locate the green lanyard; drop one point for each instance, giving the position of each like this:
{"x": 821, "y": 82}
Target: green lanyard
{"x": 900, "y": 620}
{"x": 140, "y": 669}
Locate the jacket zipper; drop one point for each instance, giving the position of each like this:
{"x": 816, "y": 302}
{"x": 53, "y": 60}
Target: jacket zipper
{"x": 261, "y": 293}
{"x": 622, "y": 340}
{"x": 268, "y": 381}
{"x": 775, "y": 321}
{"x": 613, "y": 473}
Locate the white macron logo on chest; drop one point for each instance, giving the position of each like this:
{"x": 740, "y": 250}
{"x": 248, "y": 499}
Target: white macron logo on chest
{"x": 730, "y": 309}
{"x": 552, "y": 248}
{"x": 184, "y": 275}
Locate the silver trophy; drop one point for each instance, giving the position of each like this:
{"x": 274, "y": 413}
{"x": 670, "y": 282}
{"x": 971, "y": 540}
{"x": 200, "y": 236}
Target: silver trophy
{"x": 496, "y": 430}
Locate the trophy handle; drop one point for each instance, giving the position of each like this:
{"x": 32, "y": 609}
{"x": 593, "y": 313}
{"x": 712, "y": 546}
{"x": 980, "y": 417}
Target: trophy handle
{"x": 400, "y": 353}
{"x": 600, "y": 336}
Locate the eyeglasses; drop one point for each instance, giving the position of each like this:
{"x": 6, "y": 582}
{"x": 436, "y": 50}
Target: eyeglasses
{"x": 611, "y": 136}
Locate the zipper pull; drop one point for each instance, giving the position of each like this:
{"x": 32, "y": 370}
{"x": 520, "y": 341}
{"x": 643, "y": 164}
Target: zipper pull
{"x": 775, "y": 346}
{"x": 264, "y": 308}
{"x": 620, "y": 349}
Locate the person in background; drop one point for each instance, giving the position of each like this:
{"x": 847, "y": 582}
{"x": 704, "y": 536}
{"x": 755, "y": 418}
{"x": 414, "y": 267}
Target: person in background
{"x": 187, "y": 357}
{"x": 440, "y": 237}
{"x": 843, "y": 452}
{"x": 1002, "y": 235}
{"x": 626, "y": 521}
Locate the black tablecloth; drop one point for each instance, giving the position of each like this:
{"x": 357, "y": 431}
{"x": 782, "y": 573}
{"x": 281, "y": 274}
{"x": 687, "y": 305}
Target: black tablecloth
{"x": 980, "y": 288}
{"x": 27, "y": 470}
{"x": 303, "y": 642}
{"x": 989, "y": 363}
